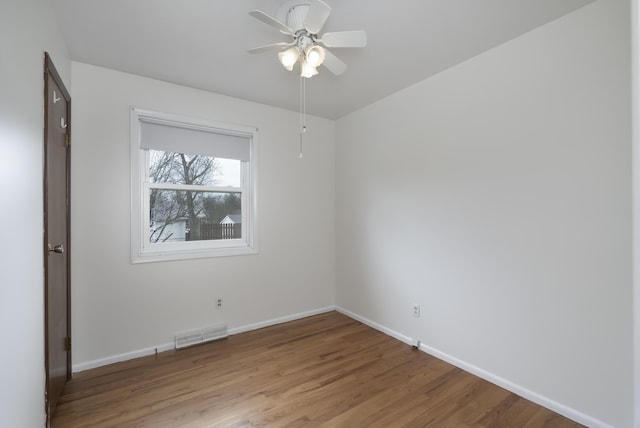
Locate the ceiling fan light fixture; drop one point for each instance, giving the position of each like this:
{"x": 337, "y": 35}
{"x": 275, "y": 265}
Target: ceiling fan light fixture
{"x": 302, "y": 21}
{"x": 314, "y": 55}
{"x": 289, "y": 57}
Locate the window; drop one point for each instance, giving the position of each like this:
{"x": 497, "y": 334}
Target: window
{"x": 193, "y": 188}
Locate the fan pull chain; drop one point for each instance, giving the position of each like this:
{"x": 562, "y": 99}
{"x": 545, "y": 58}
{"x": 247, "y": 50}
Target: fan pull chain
{"x": 303, "y": 111}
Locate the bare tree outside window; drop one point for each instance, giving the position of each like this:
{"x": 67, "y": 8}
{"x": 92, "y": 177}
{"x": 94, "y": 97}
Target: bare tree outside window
{"x": 188, "y": 215}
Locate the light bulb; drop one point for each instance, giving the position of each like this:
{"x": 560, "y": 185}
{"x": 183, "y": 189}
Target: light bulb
{"x": 314, "y": 55}
{"x": 289, "y": 57}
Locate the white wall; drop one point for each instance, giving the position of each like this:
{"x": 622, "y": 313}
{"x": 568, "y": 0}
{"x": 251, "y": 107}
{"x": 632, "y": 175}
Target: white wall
{"x": 508, "y": 178}
{"x": 120, "y": 308}
{"x": 27, "y": 29}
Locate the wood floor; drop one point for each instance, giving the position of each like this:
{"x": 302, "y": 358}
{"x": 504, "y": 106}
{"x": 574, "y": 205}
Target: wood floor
{"x": 327, "y": 370}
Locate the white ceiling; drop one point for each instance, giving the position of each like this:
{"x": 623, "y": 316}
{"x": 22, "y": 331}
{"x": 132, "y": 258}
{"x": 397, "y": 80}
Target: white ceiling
{"x": 203, "y": 43}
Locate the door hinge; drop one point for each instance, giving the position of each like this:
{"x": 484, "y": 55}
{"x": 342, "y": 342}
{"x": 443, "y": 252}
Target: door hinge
{"x": 67, "y": 344}
{"x": 67, "y": 140}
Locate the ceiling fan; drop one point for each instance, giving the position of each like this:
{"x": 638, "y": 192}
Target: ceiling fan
{"x": 303, "y": 21}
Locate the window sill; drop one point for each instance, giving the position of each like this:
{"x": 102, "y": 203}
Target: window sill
{"x": 167, "y": 256}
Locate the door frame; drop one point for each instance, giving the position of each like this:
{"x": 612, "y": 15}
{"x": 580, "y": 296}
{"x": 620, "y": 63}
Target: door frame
{"x": 50, "y": 71}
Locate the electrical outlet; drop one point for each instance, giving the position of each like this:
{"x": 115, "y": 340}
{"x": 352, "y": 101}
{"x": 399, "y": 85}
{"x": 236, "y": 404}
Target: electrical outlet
{"x": 218, "y": 302}
{"x": 416, "y": 310}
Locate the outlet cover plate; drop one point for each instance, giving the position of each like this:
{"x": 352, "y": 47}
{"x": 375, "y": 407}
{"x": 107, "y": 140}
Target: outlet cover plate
{"x": 416, "y": 310}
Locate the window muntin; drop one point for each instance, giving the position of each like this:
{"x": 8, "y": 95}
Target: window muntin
{"x": 191, "y": 203}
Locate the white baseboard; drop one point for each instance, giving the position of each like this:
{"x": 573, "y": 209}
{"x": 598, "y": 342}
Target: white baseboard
{"x": 375, "y": 325}
{"x": 122, "y": 357}
{"x": 497, "y": 380}
{"x": 170, "y": 346}
{"x": 280, "y": 320}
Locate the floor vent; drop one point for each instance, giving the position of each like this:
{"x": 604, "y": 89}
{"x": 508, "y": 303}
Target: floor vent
{"x": 191, "y": 338}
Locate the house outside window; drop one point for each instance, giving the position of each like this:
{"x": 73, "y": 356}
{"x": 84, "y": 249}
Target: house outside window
{"x": 193, "y": 188}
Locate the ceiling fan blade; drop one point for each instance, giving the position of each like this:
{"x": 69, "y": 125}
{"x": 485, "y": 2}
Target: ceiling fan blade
{"x": 316, "y": 16}
{"x": 345, "y": 39}
{"x": 261, "y": 16}
{"x": 333, "y": 63}
{"x": 271, "y": 47}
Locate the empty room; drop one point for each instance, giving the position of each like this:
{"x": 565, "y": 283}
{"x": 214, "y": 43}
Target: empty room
{"x": 320, "y": 213}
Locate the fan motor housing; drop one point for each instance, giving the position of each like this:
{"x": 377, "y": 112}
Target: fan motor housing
{"x": 293, "y": 14}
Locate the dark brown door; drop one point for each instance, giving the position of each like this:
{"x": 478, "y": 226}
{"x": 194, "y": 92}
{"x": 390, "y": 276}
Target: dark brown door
{"x": 56, "y": 236}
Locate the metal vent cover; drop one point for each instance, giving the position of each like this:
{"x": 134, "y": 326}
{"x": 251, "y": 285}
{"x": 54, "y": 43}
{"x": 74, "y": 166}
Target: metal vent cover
{"x": 196, "y": 337}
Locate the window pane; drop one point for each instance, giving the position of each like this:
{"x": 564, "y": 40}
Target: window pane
{"x": 182, "y": 215}
{"x": 181, "y": 168}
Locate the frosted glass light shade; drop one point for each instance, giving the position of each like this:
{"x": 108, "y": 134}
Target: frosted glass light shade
{"x": 289, "y": 58}
{"x": 307, "y": 70}
{"x": 314, "y": 55}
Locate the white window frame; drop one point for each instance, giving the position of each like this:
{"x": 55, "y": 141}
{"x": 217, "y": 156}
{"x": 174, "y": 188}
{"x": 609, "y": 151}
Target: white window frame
{"x": 141, "y": 249}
